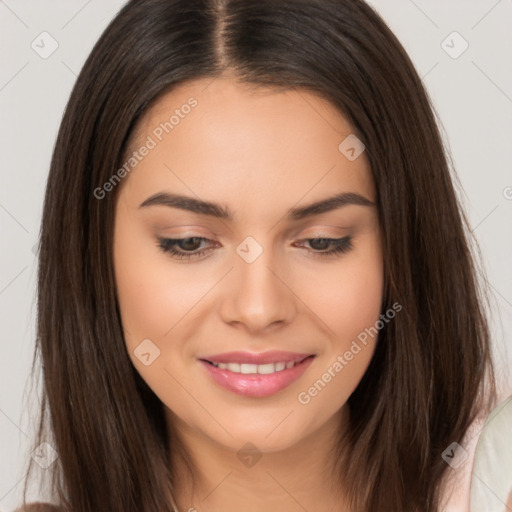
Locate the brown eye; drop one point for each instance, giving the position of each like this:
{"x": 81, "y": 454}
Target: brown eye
{"x": 328, "y": 246}
{"x": 319, "y": 244}
{"x": 184, "y": 248}
{"x": 189, "y": 244}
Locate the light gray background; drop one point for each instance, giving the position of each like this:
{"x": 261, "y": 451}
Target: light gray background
{"x": 472, "y": 94}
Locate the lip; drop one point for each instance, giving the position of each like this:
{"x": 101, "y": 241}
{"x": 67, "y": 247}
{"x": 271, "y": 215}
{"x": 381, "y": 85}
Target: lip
{"x": 272, "y": 356}
{"x": 258, "y": 385}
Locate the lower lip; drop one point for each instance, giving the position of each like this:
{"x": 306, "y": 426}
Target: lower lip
{"x": 257, "y": 385}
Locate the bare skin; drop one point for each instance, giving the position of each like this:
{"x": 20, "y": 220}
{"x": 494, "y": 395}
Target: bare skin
{"x": 258, "y": 153}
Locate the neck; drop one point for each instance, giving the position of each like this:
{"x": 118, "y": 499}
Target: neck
{"x": 213, "y": 478}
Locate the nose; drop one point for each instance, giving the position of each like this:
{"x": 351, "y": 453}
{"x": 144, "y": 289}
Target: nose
{"x": 257, "y": 296}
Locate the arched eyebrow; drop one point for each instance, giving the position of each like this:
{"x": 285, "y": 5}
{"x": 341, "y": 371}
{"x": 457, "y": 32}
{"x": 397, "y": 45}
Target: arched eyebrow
{"x": 329, "y": 204}
{"x": 202, "y": 207}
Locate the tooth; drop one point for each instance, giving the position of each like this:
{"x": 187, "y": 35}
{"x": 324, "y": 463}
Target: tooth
{"x": 248, "y": 368}
{"x": 233, "y": 367}
{"x": 265, "y": 369}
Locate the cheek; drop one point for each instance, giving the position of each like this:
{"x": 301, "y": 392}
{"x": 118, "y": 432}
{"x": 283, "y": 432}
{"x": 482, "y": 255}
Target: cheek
{"x": 347, "y": 295}
{"x": 144, "y": 298}
{"x": 357, "y": 299}
{"x": 348, "y": 300}
{"x": 152, "y": 299}
{"x": 141, "y": 288}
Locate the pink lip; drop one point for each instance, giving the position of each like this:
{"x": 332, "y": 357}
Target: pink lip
{"x": 257, "y": 385}
{"x": 272, "y": 356}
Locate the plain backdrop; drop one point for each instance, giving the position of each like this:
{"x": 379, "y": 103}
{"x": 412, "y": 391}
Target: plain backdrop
{"x": 471, "y": 89}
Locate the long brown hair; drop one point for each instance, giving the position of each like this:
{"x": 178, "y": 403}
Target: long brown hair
{"x": 431, "y": 373}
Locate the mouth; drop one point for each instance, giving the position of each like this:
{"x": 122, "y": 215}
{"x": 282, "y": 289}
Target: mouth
{"x": 239, "y": 373}
{"x": 260, "y": 369}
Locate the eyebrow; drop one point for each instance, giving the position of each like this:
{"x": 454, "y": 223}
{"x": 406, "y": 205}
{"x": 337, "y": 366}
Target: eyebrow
{"x": 221, "y": 212}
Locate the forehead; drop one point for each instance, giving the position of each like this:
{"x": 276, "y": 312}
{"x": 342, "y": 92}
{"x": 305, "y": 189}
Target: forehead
{"x": 226, "y": 141}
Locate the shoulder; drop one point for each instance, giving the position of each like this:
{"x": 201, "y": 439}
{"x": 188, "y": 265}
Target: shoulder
{"x": 487, "y": 438}
{"x": 39, "y": 507}
{"x": 491, "y": 487}
{"x": 460, "y": 459}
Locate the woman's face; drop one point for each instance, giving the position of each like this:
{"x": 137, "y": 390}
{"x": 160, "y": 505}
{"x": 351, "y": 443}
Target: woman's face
{"x": 233, "y": 171}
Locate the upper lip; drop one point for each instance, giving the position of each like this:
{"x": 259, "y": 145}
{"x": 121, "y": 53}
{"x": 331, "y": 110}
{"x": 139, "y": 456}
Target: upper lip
{"x": 272, "y": 356}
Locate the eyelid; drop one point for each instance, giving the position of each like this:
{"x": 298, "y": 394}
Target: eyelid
{"x": 338, "y": 246}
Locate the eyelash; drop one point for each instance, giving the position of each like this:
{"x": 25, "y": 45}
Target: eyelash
{"x": 168, "y": 245}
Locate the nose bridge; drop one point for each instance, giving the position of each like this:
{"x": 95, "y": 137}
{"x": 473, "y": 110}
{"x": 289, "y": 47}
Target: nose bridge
{"x": 257, "y": 298}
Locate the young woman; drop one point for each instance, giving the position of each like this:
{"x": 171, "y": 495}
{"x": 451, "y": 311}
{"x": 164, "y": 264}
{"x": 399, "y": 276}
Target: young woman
{"x": 256, "y": 290}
